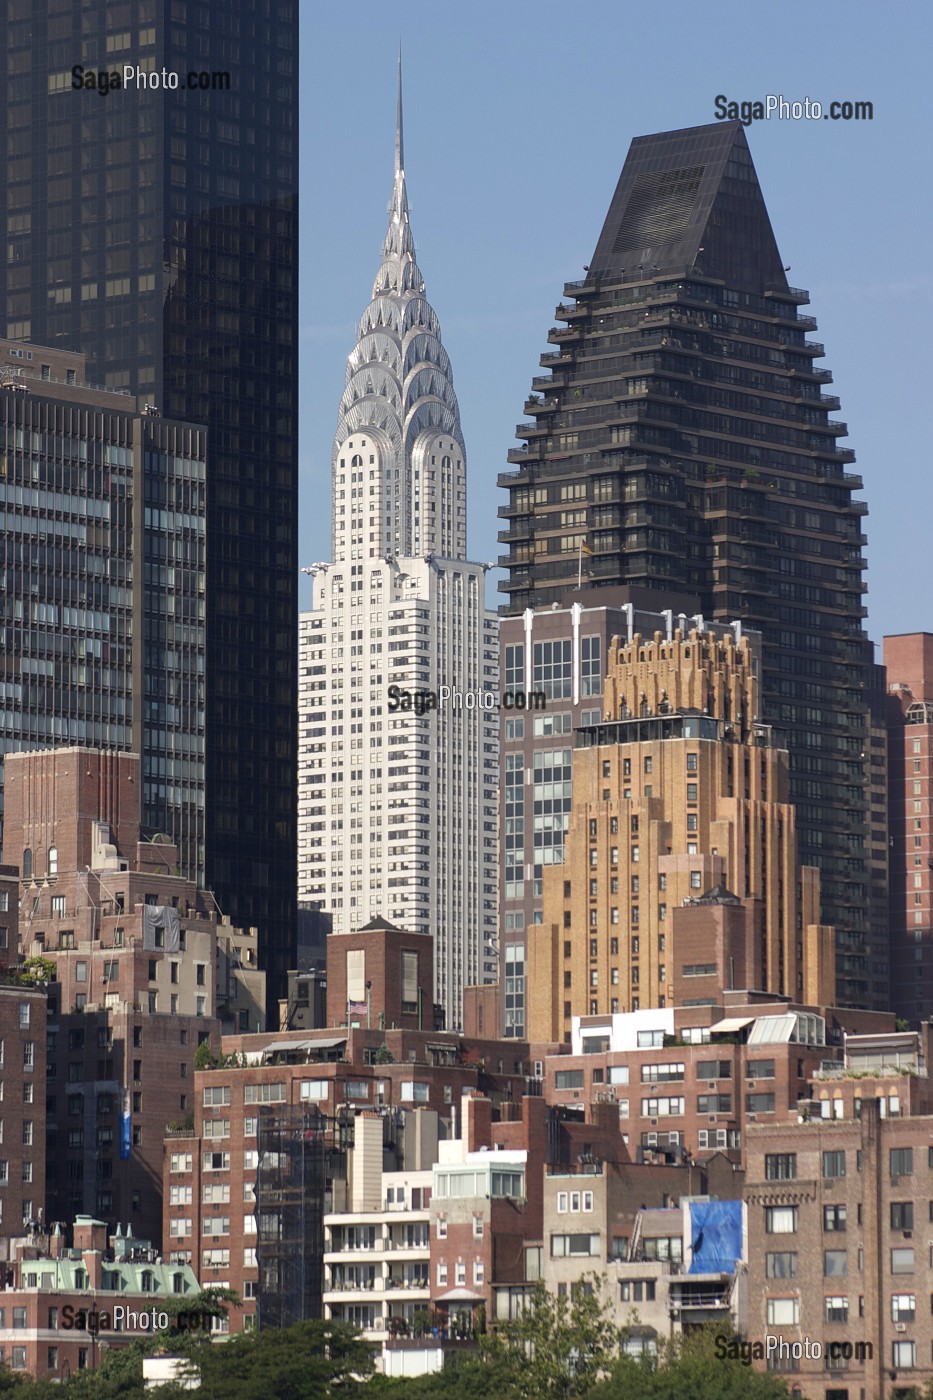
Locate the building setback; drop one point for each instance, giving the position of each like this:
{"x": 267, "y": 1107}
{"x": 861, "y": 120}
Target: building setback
{"x": 557, "y": 655}
{"x": 909, "y": 663}
{"x": 677, "y": 791}
{"x": 397, "y": 780}
{"x": 680, "y": 441}
{"x": 156, "y": 231}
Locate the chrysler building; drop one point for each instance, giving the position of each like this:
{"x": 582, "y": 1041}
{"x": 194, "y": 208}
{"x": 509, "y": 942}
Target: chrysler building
{"x": 397, "y": 809}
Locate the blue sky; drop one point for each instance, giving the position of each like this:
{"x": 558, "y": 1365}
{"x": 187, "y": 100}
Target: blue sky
{"x": 518, "y": 116}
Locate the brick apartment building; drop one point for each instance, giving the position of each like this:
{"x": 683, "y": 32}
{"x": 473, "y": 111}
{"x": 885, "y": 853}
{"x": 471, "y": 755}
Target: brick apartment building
{"x": 134, "y": 948}
{"x": 23, "y": 1141}
{"x": 379, "y": 1055}
{"x": 61, "y": 1307}
{"x": 854, "y": 1172}
{"x": 909, "y": 662}
{"x": 687, "y": 1082}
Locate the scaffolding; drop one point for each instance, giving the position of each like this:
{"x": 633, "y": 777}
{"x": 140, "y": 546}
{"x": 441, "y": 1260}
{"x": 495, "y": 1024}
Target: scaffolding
{"x": 297, "y": 1151}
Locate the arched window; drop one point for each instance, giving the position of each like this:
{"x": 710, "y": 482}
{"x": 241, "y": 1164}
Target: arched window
{"x": 53, "y": 860}
{"x": 27, "y": 864}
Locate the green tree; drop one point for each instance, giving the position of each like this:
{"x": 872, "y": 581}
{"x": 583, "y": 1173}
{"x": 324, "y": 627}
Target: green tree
{"x": 557, "y": 1347}
{"x": 690, "y": 1367}
{"x": 310, "y": 1361}
{"x": 204, "y": 1056}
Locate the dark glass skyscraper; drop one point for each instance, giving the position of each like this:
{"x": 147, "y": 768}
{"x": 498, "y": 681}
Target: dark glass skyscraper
{"x": 681, "y": 442}
{"x": 155, "y": 229}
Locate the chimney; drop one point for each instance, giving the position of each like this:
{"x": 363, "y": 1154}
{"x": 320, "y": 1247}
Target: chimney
{"x": 477, "y": 1123}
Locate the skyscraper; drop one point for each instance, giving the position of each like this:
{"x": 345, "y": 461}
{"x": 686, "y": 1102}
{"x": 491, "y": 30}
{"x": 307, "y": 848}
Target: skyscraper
{"x": 397, "y": 781}
{"x": 909, "y": 662}
{"x": 102, "y": 582}
{"x": 680, "y": 441}
{"x": 153, "y": 227}
{"x": 677, "y": 792}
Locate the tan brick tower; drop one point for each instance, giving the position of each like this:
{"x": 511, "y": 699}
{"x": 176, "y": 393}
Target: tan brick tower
{"x": 677, "y": 793}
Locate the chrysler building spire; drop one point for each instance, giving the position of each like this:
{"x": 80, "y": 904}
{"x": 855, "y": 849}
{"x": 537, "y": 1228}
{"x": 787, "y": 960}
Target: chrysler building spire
{"x": 400, "y": 388}
{"x": 399, "y": 136}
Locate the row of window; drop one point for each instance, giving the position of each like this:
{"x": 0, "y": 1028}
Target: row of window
{"x": 782, "y": 1166}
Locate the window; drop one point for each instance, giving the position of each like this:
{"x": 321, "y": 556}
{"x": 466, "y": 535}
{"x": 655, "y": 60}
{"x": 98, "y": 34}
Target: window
{"x": 667, "y": 1107}
{"x": 903, "y": 1355}
{"x": 637, "y": 1290}
{"x": 574, "y": 1246}
{"x": 783, "y": 1312}
{"x": 834, "y": 1164}
{"x": 781, "y": 1265}
{"x": 902, "y": 1261}
{"x": 836, "y": 1309}
{"x": 759, "y": 1103}
{"x": 415, "y": 1091}
{"x": 903, "y": 1307}
{"x": 835, "y": 1263}
{"x": 662, "y": 1074}
{"x": 834, "y": 1218}
{"x": 781, "y": 1166}
{"x": 264, "y": 1093}
{"x": 24, "y": 1013}
{"x": 902, "y": 1215}
{"x": 780, "y": 1220}
{"x": 215, "y": 1097}
{"x": 901, "y": 1161}
{"x": 568, "y": 1079}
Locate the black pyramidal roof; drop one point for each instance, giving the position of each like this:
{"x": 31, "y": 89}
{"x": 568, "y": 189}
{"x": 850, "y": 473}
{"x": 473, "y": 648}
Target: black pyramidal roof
{"x": 691, "y": 197}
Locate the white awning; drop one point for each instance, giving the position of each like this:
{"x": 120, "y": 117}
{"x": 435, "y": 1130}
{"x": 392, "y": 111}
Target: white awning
{"x": 460, "y": 1295}
{"x": 284, "y": 1047}
{"x": 773, "y": 1030}
{"x": 730, "y": 1025}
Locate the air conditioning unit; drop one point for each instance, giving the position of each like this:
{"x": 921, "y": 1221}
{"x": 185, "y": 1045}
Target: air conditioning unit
{"x": 895, "y": 1181}
{"x": 752, "y": 1084}
{"x": 900, "y": 1326}
{"x": 711, "y": 1084}
{"x": 751, "y": 1117}
{"x": 908, "y": 1234}
{"x": 828, "y": 1183}
{"x": 712, "y": 1118}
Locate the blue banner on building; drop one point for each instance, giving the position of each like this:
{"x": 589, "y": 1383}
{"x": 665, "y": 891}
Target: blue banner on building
{"x": 125, "y": 1131}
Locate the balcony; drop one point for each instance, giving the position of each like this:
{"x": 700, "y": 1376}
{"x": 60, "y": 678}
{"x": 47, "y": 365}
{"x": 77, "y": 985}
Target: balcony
{"x": 529, "y": 454}
{"x": 536, "y": 404}
{"x": 555, "y": 357}
{"x": 559, "y": 335}
{"x": 796, "y": 294}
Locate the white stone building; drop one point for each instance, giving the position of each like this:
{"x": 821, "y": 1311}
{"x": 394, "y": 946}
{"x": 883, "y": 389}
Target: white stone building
{"x": 398, "y": 809}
